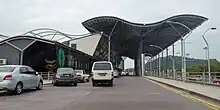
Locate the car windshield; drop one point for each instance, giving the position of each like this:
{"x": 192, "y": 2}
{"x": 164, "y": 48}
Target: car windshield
{"x": 78, "y": 71}
{"x": 7, "y": 69}
{"x": 64, "y": 70}
{"x": 102, "y": 66}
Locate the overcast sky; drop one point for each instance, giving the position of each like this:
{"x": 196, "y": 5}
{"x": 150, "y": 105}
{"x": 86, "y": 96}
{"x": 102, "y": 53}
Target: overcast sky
{"x": 20, "y": 16}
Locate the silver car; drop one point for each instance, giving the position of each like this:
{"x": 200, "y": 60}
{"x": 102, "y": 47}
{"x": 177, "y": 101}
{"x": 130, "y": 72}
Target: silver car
{"x": 18, "y": 77}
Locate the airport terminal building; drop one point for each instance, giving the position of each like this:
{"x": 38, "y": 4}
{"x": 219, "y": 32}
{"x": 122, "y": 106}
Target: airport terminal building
{"x": 106, "y": 34}
{"x": 46, "y": 55}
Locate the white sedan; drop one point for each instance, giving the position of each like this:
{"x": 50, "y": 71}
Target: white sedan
{"x": 18, "y": 77}
{"x": 82, "y": 76}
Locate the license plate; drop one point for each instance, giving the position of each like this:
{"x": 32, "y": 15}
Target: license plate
{"x": 101, "y": 74}
{"x": 66, "y": 75}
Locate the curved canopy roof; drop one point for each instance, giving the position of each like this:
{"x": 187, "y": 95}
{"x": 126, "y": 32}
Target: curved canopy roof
{"x": 53, "y": 34}
{"x": 126, "y": 36}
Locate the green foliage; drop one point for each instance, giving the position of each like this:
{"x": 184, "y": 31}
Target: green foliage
{"x": 193, "y": 65}
{"x": 194, "y": 69}
{"x": 214, "y": 66}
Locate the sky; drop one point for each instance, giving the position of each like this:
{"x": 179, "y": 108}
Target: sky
{"x": 20, "y": 16}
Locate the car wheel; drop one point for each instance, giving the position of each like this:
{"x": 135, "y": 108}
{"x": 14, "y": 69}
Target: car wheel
{"x": 18, "y": 89}
{"x": 55, "y": 84}
{"x": 40, "y": 85}
{"x": 111, "y": 83}
{"x": 75, "y": 84}
{"x": 87, "y": 80}
{"x": 83, "y": 80}
{"x": 94, "y": 83}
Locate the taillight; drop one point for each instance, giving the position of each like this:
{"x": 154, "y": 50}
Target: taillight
{"x": 8, "y": 77}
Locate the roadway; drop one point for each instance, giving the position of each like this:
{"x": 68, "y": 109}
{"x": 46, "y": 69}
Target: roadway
{"x": 128, "y": 93}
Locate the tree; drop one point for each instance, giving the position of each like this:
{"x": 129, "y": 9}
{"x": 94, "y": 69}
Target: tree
{"x": 214, "y": 66}
{"x": 194, "y": 69}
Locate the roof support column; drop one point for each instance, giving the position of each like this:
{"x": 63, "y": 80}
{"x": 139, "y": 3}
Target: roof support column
{"x": 142, "y": 56}
{"x": 109, "y": 41}
{"x": 162, "y": 65}
{"x": 173, "y": 59}
{"x": 166, "y": 66}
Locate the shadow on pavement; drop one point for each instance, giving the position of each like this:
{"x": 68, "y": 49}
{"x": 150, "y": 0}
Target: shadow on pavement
{"x": 104, "y": 85}
{"x": 5, "y": 93}
{"x": 65, "y": 85}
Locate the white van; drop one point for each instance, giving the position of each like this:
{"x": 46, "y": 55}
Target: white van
{"x": 102, "y": 72}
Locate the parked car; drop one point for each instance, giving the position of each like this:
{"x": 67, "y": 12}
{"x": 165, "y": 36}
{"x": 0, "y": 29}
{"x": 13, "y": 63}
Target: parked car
{"x": 123, "y": 73}
{"x": 131, "y": 73}
{"x": 65, "y": 76}
{"x": 116, "y": 73}
{"x": 102, "y": 72}
{"x": 82, "y": 76}
{"x": 16, "y": 78}
{"x": 127, "y": 73}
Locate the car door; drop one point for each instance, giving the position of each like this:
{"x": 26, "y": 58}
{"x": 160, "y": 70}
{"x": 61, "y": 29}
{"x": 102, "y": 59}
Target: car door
{"x": 34, "y": 79}
{"x": 25, "y": 77}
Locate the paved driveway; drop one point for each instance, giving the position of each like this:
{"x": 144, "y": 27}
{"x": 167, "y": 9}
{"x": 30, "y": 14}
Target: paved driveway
{"x": 128, "y": 93}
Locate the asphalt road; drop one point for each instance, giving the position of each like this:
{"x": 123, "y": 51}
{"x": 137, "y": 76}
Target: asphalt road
{"x": 128, "y": 93}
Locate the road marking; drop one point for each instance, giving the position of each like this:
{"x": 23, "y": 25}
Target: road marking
{"x": 153, "y": 93}
{"x": 208, "y": 104}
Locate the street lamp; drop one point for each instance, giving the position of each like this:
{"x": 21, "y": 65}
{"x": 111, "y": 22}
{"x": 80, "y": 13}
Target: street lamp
{"x": 207, "y": 47}
{"x": 183, "y": 55}
{"x": 159, "y": 65}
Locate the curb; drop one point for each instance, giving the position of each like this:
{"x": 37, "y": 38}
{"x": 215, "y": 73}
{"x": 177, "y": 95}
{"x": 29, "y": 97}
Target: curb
{"x": 47, "y": 83}
{"x": 189, "y": 91}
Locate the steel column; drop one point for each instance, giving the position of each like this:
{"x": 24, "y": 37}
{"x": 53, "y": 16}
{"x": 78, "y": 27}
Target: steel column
{"x": 167, "y": 62}
{"x": 162, "y": 65}
{"x": 109, "y": 42}
{"x": 174, "y": 63}
{"x": 142, "y": 64}
{"x": 159, "y": 67}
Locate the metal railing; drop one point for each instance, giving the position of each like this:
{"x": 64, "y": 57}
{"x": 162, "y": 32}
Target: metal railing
{"x": 46, "y": 75}
{"x": 195, "y": 77}
{"x": 203, "y": 77}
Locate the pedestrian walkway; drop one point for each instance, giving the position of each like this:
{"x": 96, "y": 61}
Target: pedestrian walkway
{"x": 205, "y": 90}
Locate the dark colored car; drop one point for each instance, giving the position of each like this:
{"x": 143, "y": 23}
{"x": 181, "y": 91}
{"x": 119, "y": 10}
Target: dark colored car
{"x": 65, "y": 76}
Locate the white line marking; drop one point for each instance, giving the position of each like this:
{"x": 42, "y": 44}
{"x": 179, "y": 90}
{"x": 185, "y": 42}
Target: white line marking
{"x": 153, "y": 93}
